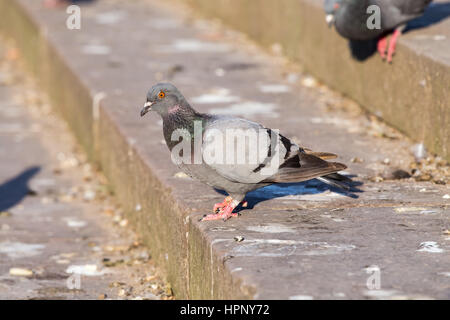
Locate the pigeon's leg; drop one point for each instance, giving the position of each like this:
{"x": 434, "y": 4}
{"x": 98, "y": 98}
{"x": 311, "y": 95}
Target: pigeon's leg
{"x": 219, "y": 206}
{"x": 392, "y": 44}
{"x": 225, "y": 212}
{"x": 381, "y": 46}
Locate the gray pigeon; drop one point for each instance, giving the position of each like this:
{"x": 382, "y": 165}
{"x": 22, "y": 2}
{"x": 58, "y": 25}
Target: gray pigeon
{"x": 351, "y": 17}
{"x": 264, "y": 158}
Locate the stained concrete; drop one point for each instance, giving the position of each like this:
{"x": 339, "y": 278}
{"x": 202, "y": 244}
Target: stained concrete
{"x": 62, "y": 235}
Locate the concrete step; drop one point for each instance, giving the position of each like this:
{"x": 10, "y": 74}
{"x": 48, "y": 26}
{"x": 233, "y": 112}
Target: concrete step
{"x": 62, "y": 235}
{"x": 300, "y": 240}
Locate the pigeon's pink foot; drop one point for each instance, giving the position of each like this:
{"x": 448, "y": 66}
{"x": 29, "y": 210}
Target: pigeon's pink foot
{"x": 223, "y": 210}
{"x": 392, "y": 45}
{"x": 381, "y": 46}
{"x": 219, "y": 206}
{"x": 225, "y": 214}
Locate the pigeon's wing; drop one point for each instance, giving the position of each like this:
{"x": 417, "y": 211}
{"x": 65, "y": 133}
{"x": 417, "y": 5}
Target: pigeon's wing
{"x": 246, "y": 152}
{"x": 241, "y": 150}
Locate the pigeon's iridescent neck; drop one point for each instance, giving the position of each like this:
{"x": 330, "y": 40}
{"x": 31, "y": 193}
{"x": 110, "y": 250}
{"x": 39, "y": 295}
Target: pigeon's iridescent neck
{"x": 180, "y": 118}
{"x": 174, "y": 109}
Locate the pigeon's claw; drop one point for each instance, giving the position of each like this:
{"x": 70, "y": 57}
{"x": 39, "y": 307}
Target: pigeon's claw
{"x": 223, "y": 211}
{"x": 219, "y": 206}
{"x": 381, "y": 47}
{"x": 392, "y": 45}
{"x": 224, "y": 215}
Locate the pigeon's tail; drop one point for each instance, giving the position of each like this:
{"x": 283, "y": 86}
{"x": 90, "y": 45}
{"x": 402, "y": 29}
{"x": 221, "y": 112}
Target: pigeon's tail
{"x": 321, "y": 155}
{"x": 304, "y": 167}
{"x": 337, "y": 180}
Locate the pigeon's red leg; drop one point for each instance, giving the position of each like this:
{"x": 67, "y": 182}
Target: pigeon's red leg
{"x": 382, "y": 44}
{"x": 218, "y": 206}
{"x": 392, "y": 45}
{"x": 224, "y": 210}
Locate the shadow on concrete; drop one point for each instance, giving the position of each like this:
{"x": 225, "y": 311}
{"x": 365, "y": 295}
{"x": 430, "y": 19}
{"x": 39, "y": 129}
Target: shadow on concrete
{"x": 361, "y": 49}
{"x": 306, "y": 188}
{"x": 435, "y": 13}
{"x": 15, "y": 189}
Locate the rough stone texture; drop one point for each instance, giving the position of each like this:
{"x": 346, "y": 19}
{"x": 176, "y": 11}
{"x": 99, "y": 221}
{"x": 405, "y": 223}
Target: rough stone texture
{"x": 300, "y": 240}
{"x": 54, "y": 212}
{"x": 72, "y": 97}
{"x": 412, "y": 94}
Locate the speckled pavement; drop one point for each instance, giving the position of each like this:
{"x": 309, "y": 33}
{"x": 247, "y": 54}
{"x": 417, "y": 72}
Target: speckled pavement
{"x": 62, "y": 236}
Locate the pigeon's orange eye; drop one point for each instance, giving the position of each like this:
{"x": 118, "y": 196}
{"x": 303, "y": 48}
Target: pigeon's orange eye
{"x": 161, "y": 95}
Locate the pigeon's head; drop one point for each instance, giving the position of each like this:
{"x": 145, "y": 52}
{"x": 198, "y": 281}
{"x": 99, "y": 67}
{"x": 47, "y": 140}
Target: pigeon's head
{"x": 162, "y": 98}
{"x": 331, "y": 7}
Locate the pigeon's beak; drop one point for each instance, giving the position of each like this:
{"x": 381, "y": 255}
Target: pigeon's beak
{"x": 329, "y": 18}
{"x": 147, "y": 108}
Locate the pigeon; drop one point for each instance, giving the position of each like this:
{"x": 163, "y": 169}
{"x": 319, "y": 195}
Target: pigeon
{"x": 266, "y": 158}
{"x": 351, "y": 17}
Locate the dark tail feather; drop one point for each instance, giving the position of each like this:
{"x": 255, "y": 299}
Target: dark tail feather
{"x": 304, "y": 167}
{"x": 321, "y": 155}
{"x": 339, "y": 177}
{"x": 337, "y": 180}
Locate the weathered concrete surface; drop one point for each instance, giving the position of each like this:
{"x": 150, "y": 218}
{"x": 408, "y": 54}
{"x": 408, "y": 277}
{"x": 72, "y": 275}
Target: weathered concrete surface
{"x": 56, "y": 217}
{"x": 46, "y": 63}
{"x": 412, "y": 94}
{"x": 300, "y": 240}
